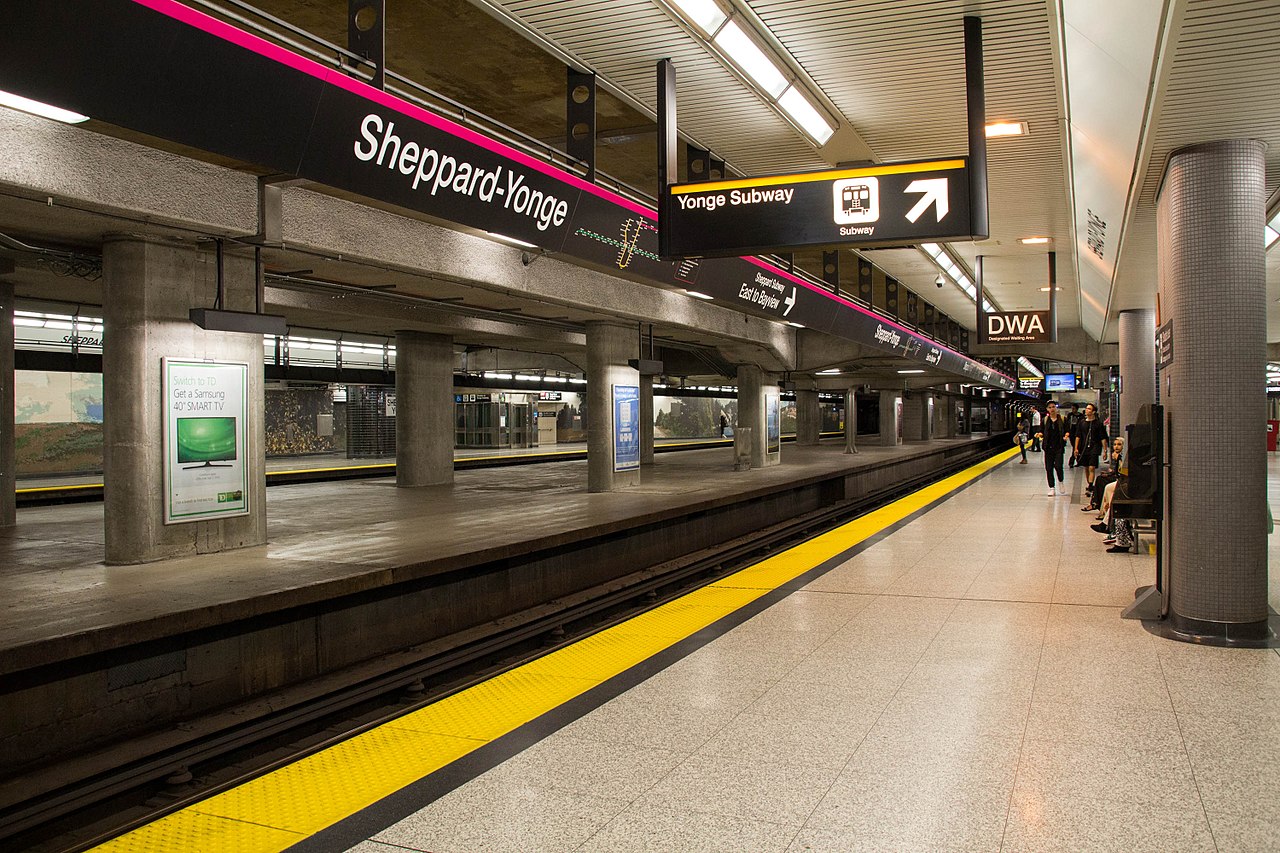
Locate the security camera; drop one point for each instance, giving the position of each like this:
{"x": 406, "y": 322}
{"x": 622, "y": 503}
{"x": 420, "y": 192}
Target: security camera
{"x": 939, "y": 280}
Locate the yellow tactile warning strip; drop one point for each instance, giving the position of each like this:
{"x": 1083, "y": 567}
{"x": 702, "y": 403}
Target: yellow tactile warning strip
{"x": 275, "y": 811}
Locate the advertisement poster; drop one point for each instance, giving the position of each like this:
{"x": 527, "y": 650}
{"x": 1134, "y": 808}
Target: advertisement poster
{"x": 206, "y": 419}
{"x": 773, "y": 425}
{"x": 626, "y": 427}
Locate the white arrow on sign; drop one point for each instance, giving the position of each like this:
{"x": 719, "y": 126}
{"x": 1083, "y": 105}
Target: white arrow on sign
{"x": 790, "y": 302}
{"x": 935, "y": 192}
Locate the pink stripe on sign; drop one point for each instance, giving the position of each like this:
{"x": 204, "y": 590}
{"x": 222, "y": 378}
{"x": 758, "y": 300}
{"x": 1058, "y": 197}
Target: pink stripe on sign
{"x": 262, "y": 47}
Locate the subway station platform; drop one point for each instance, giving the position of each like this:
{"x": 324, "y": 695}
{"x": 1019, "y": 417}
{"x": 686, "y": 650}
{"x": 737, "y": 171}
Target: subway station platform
{"x": 329, "y": 539}
{"x": 948, "y": 673}
{"x": 360, "y": 577}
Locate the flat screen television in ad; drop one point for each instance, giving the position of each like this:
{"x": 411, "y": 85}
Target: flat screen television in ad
{"x": 1059, "y": 382}
{"x": 206, "y": 441}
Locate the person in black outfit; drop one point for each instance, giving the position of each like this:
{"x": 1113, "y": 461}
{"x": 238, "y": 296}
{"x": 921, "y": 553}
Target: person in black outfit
{"x": 1089, "y": 437}
{"x": 1073, "y": 424}
{"x": 1053, "y": 438}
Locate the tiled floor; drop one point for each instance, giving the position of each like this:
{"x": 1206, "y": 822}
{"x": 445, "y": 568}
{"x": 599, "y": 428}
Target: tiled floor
{"x": 964, "y": 684}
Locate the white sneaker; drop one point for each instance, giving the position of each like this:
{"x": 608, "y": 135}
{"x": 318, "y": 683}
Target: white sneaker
{"x": 1051, "y": 492}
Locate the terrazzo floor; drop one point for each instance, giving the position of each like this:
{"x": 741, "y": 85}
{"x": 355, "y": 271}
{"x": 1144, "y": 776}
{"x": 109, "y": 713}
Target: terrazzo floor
{"x": 966, "y": 683}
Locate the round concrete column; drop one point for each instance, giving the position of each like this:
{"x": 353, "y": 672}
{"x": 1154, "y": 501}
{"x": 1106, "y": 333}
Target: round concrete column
{"x": 851, "y": 420}
{"x": 890, "y": 417}
{"x": 609, "y": 347}
{"x": 808, "y": 417}
{"x": 424, "y": 409}
{"x": 1213, "y": 289}
{"x": 1137, "y": 365}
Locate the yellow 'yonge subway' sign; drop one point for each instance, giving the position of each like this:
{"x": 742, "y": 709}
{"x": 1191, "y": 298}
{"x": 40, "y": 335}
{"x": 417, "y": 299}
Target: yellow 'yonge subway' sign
{"x": 899, "y": 203}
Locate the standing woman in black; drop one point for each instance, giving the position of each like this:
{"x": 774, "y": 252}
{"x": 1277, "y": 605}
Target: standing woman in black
{"x": 1090, "y": 437}
{"x": 1053, "y": 432}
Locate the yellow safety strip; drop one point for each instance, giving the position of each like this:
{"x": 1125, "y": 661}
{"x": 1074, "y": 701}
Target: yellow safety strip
{"x": 277, "y": 810}
{"x": 809, "y": 177}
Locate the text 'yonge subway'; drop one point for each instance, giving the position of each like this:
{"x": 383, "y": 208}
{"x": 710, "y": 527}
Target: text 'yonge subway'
{"x": 432, "y": 171}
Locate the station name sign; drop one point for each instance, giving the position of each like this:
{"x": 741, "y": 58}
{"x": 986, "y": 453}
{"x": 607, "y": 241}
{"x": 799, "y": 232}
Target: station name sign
{"x": 899, "y": 203}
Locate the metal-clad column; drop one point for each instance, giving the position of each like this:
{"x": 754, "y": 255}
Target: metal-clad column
{"x": 1137, "y": 365}
{"x": 1210, "y": 215}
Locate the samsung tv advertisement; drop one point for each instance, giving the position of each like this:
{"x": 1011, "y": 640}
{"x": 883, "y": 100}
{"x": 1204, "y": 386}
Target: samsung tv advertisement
{"x": 206, "y": 420}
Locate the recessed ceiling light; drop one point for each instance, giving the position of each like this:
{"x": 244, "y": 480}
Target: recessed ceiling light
{"x": 912, "y": 370}
{"x": 1031, "y": 241}
{"x": 1045, "y": 289}
{"x": 1007, "y": 128}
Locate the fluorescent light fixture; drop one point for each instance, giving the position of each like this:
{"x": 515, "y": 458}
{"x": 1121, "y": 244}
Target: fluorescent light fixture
{"x": 833, "y": 371}
{"x": 1031, "y": 241}
{"x": 704, "y": 14}
{"x": 490, "y": 375}
{"x": 1045, "y": 289}
{"x": 1269, "y": 236}
{"x": 698, "y": 295}
{"x": 1028, "y": 366}
{"x": 810, "y": 120}
{"x": 912, "y": 370}
{"x": 512, "y": 240}
{"x": 1007, "y": 128}
{"x": 740, "y": 48}
{"x": 797, "y": 325}
{"x": 27, "y": 105}
{"x": 932, "y": 248}
{"x": 577, "y": 382}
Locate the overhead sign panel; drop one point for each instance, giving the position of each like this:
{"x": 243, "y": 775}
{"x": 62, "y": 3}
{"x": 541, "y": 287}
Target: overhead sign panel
{"x": 897, "y": 203}
{"x": 1027, "y": 327}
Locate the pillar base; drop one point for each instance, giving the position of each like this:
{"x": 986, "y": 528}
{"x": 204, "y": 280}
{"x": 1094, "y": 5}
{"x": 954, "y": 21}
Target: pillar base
{"x": 1263, "y": 634}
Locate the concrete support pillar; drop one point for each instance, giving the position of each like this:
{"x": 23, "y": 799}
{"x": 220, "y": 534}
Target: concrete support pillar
{"x": 1137, "y": 364}
{"x": 609, "y": 347}
{"x": 8, "y": 454}
{"x": 808, "y": 417}
{"x": 968, "y": 416}
{"x": 149, "y": 285}
{"x": 851, "y": 420}
{"x": 646, "y": 420}
{"x": 927, "y": 405}
{"x": 1213, "y": 290}
{"x": 945, "y": 417}
{"x": 756, "y": 395}
{"x": 913, "y": 418}
{"x": 890, "y": 417}
{"x": 424, "y": 409}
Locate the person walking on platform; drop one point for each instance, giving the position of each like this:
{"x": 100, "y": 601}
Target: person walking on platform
{"x": 1073, "y": 425}
{"x": 1020, "y": 439}
{"x": 1089, "y": 437}
{"x": 1053, "y": 438}
{"x": 724, "y": 423}
{"x": 1035, "y": 430}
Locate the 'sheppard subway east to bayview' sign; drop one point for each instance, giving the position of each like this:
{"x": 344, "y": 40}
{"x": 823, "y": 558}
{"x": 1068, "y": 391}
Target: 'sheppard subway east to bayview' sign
{"x": 165, "y": 69}
{"x": 877, "y": 205}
